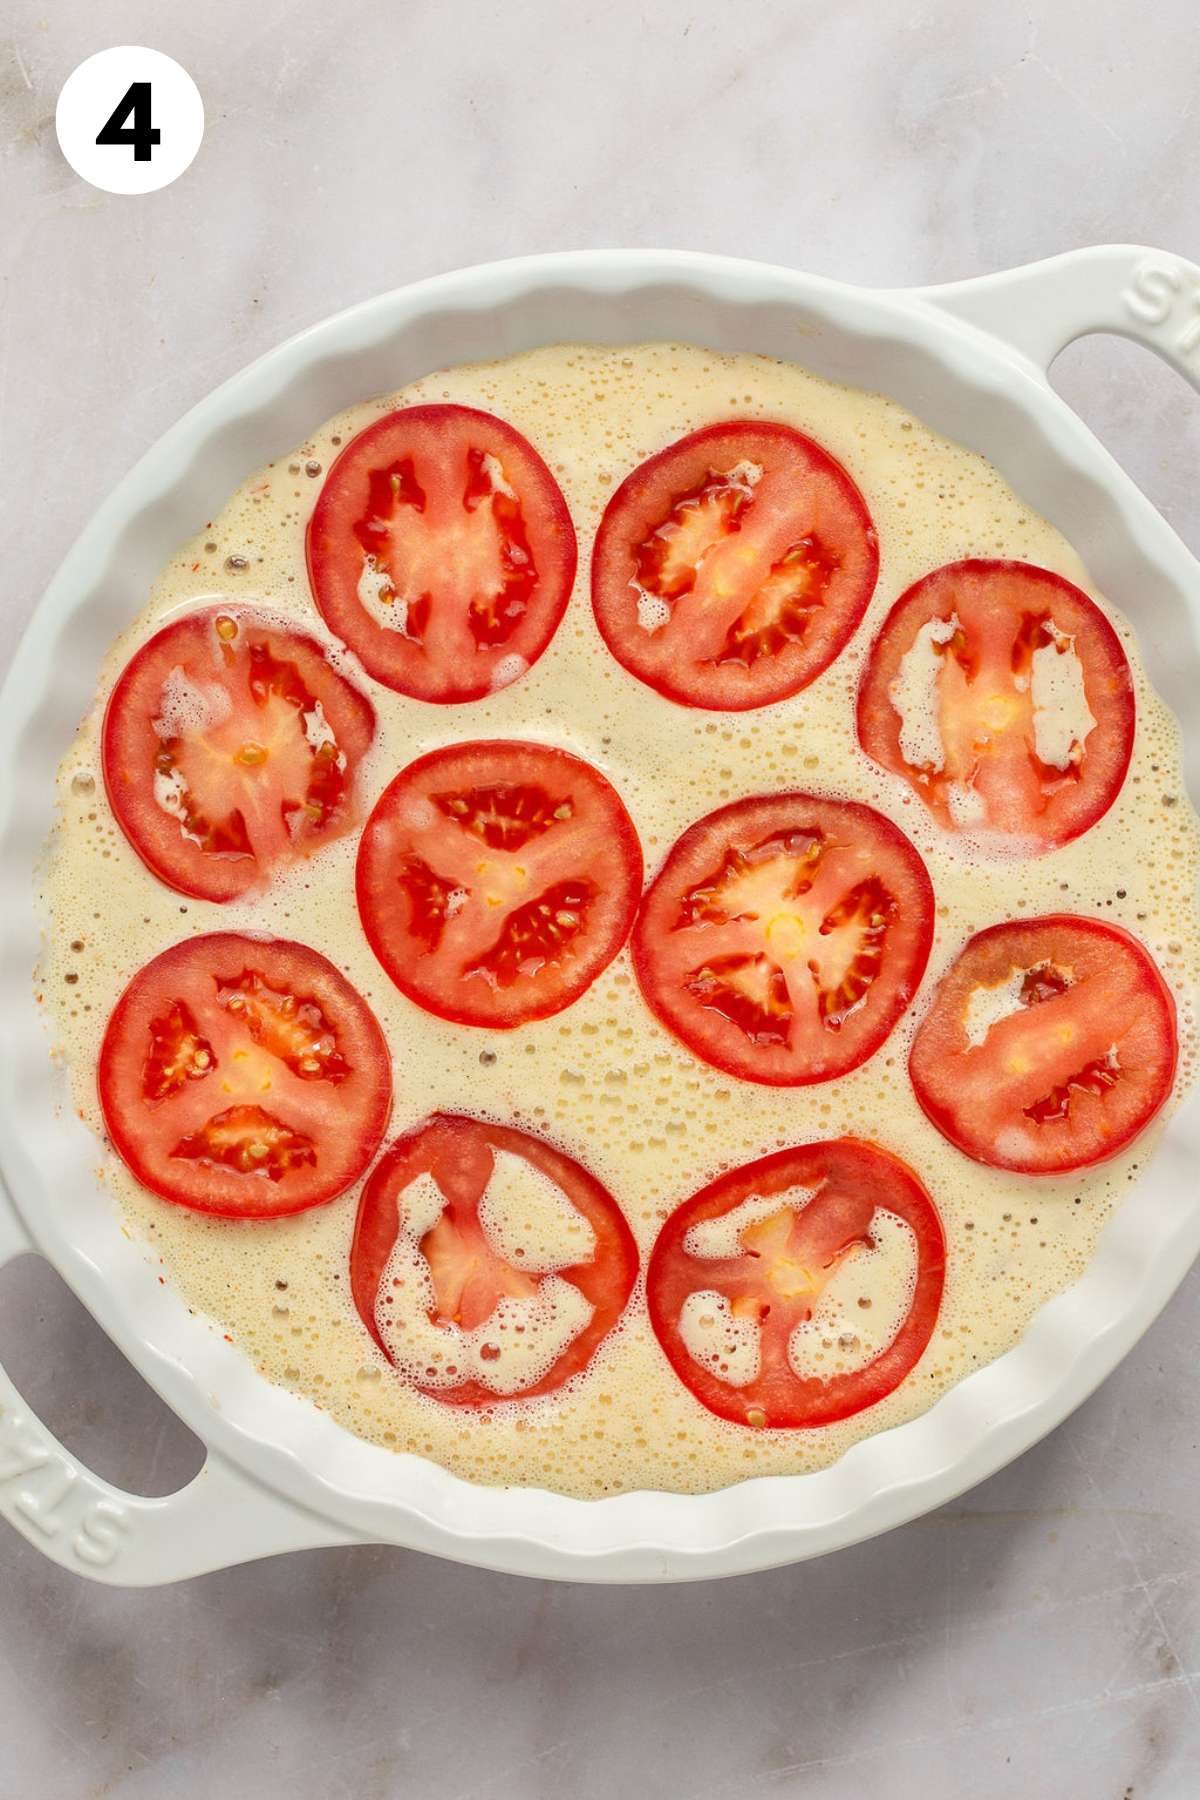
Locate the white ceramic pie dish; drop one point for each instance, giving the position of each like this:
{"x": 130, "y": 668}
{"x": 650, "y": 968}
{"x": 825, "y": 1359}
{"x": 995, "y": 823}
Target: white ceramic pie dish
{"x": 971, "y": 360}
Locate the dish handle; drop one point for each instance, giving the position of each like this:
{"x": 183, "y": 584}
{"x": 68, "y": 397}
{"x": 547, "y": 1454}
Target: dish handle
{"x": 85, "y": 1524}
{"x": 1150, "y": 296}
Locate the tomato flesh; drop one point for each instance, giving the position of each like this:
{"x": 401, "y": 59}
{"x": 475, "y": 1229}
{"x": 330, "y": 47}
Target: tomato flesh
{"x": 442, "y": 552}
{"x": 1048, "y": 1046}
{"x": 496, "y": 880}
{"x": 730, "y": 569}
{"x": 470, "y": 1278}
{"x": 784, "y": 936}
{"x": 231, "y": 748}
{"x": 772, "y": 1277}
{"x": 1001, "y": 694}
{"x": 244, "y": 1076}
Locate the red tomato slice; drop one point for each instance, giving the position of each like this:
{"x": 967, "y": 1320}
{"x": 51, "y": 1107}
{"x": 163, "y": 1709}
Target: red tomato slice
{"x": 1048, "y": 1045}
{"x": 784, "y": 936}
{"x": 244, "y": 1076}
{"x": 1017, "y": 700}
{"x": 768, "y": 1277}
{"x": 230, "y": 748}
{"x": 442, "y": 552}
{"x": 497, "y": 880}
{"x": 731, "y": 568}
{"x": 479, "y": 1295}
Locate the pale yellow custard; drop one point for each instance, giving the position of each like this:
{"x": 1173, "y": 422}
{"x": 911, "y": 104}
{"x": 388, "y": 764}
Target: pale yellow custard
{"x": 602, "y": 1080}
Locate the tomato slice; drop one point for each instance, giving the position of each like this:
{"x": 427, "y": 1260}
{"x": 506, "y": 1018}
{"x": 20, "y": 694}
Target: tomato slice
{"x": 486, "y": 1264}
{"x": 1048, "y": 1045}
{"x": 731, "y": 568}
{"x": 230, "y": 748}
{"x": 800, "y": 1288}
{"x": 244, "y": 1076}
{"x": 784, "y": 936}
{"x": 1002, "y": 695}
{"x": 442, "y": 552}
{"x": 496, "y": 880}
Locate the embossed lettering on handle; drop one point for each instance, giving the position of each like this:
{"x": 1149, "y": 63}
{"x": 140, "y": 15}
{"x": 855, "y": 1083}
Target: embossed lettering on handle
{"x": 1151, "y": 296}
{"x": 1164, "y": 298}
{"x": 40, "y": 1483}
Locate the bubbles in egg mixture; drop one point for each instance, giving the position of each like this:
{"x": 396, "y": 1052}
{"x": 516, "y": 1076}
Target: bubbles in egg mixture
{"x": 602, "y": 1079}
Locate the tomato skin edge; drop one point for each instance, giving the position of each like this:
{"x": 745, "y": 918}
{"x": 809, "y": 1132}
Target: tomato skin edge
{"x": 219, "y": 894}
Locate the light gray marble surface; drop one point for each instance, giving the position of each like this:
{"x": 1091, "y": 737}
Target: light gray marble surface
{"x": 1040, "y": 1637}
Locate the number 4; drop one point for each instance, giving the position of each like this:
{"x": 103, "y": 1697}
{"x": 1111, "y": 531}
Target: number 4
{"x": 135, "y": 104}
